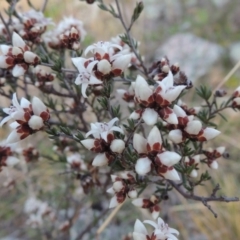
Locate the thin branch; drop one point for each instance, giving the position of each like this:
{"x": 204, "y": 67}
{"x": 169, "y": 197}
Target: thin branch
{"x": 127, "y": 29}
{"x": 233, "y": 70}
{"x": 204, "y": 200}
{"x": 5, "y": 25}
{"x": 44, "y": 5}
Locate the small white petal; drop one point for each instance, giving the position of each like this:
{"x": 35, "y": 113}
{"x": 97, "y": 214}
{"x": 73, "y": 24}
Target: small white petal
{"x": 155, "y": 214}
{"x": 38, "y": 106}
{"x": 24, "y": 103}
{"x": 154, "y": 136}
{"x": 11, "y": 161}
{"x": 175, "y": 136}
{"x": 117, "y": 186}
{"x": 5, "y": 49}
{"x": 210, "y": 133}
{"x": 179, "y": 111}
{"x": 134, "y": 115}
{"x": 139, "y": 236}
{"x": 113, "y": 202}
{"x": 104, "y": 66}
{"x": 150, "y": 116}
{"x": 139, "y": 143}
{"x": 121, "y": 62}
{"x": 171, "y": 175}
{"x": 13, "y": 137}
{"x": 172, "y": 118}
{"x": 193, "y": 127}
{"x": 168, "y": 158}
{"x": 132, "y": 193}
{"x": 139, "y": 227}
{"x": 100, "y": 160}
{"x": 3, "y": 63}
{"x": 17, "y": 41}
{"x": 214, "y": 165}
{"x": 18, "y": 71}
{"x": 143, "y": 166}
{"x": 221, "y": 150}
{"x": 30, "y": 57}
{"x": 88, "y": 143}
{"x": 194, "y": 173}
{"x": 111, "y": 191}
{"x": 138, "y": 202}
{"x": 35, "y": 122}
{"x": 117, "y": 145}
{"x": 83, "y": 89}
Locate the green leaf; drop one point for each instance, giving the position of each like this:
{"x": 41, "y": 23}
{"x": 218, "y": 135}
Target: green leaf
{"x": 137, "y": 11}
{"x": 204, "y": 92}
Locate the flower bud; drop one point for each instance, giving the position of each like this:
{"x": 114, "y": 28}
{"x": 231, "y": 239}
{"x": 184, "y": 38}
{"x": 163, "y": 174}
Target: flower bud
{"x": 143, "y": 166}
{"x": 117, "y": 145}
{"x": 35, "y": 122}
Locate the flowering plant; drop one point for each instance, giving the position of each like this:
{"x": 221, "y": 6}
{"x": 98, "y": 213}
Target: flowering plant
{"x": 158, "y": 149}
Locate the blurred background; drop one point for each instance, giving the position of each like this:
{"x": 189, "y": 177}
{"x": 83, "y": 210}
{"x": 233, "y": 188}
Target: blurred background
{"x": 203, "y": 36}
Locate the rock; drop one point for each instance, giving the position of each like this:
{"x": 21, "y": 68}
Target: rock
{"x": 235, "y": 52}
{"x": 195, "y": 55}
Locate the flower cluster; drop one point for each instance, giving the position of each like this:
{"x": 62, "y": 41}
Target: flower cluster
{"x": 105, "y": 64}
{"x": 33, "y": 25}
{"x": 161, "y": 231}
{"x": 68, "y": 34}
{"x": 104, "y": 142}
{"x": 44, "y": 76}
{"x": 17, "y": 57}
{"x": 7, "y": 158}
{"x": 189, "y": 128}
{"x": 156, "y": 102}
{"x": 152, "y": 204}
{"x": 28, "y": 118}
{"x": 152, "y": 153}
{"x": 123, "y": 186}
{"x": 36, "y": 211}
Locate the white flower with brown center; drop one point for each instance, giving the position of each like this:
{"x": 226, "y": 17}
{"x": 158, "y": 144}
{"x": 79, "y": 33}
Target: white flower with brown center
{"x": 101, "y": 130}
{"x": 109, "y": 63}
{"x": 166, "y": 93}
{"x": 86, "y": 76}
{"x": 17, "y": 57}
{"x": 29, "y": 118}
{"x": 161, "y": 232}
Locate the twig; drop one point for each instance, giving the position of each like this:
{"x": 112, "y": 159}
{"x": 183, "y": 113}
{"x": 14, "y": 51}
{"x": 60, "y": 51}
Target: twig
{"x": 44, "y": 5}
{"x": 93, "y": 223}
{"x": 204, "y": 200}
{"x": 108, "y": 219}
{"x": 234, "y": 69}
{"x": 127, "y": 29}
{"x": 5, "y": 25}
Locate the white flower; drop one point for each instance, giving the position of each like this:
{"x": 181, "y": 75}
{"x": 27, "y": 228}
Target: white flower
{"x": 101, "y": 130}
{"x": 143, "y": 166}
{"x": 166, "y": 93}
{"x": 168, "y": 159}
{"x": 193, "y": 127}
{"x": 152, "y": 143}
{"x": 117, "y": 145}
{"x": 142, "y": 90}
{"x": 176, "y": 136}
{"x": 29, "y": 117}
{"x": 100, "y": 160}
{"x": 75, "y": 161}
{"x": 210, "y": 133}
{"x": 161, "y": 232}
{"x": 18, "y": 57}
{"x": 102, "y": 48}
{"x": 85, "y": 76}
